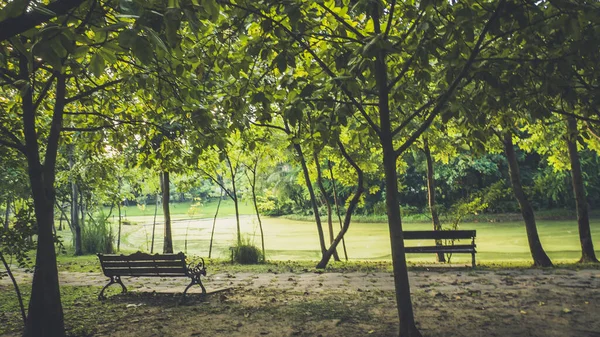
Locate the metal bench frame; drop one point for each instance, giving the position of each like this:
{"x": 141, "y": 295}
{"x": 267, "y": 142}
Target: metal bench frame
{"x": 443, "y": 235}
{"x": 146, "y": 265}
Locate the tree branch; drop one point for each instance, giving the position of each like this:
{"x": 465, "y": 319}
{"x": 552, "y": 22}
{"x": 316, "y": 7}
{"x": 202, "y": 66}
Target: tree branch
{"x": 92, "y": 90}
{"x": 55, "y": 128}
{"x": 16, "y": 142}
{"x": 271, "y": 126}
{"x": 321, "y": 63}
{"x": 14, "y": 26}
{"x": 446, "y": 96}
{"x": 412, "y": 116}
{"x": 342, "y": 21}
{"x": 44, "y": 92}
{"x": 390, "y": 18}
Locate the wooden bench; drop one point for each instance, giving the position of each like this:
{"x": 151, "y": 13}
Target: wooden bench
{"x": 444, "y": 248}
{"x": 158, "y": 265}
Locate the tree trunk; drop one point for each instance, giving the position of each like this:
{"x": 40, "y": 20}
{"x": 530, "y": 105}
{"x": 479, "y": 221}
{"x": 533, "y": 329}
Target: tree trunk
{"x": 538, "y": 254}
{"x": 313, "y": 199}
{"x": 7, "y": 213}
{"x": 234, "y": 197}
{"x": 337, "y": 207}
{"x": 15, "y": 285}
{"x": 326, "y": 201}
{"x": 253, "y": 186}
{"x": 401, "y": 282}
{"x": 583, "y": 219}
{"x": 406, "y": 320}
{"x": 353, "y": 203}
{"x": 45, "y": 314}
{"x": 236, "y": 206}
{"x": 437, "y": 226}
{"x": 168, "y": 242}
{"x": 212, "y": 232}
{"x": 74, "y": 224}
{"x": 120, "y": 224}
{"x": 154, "y": 222}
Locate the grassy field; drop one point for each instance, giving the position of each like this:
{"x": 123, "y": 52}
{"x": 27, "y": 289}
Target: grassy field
{"x": 185, "y": 210}
{"x": 497, "y": 242}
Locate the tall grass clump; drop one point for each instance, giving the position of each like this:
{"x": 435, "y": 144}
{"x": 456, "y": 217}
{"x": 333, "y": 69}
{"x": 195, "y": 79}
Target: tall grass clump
{"x": 97, "y": 236}
{"x": 245, "y": 252}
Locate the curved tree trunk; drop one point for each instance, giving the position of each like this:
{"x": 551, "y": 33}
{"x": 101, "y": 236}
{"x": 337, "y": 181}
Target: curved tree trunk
{"x": 353, "y": 203}
{"x": 234, "y": 197}
{"x": 583, "y": 219}
{"x": 326, "y": 201}
{"x": 16, "y": 286}
{"x": 540, "y": 258}
{"x": 337, "y": 207}
{"x": 168, "y": 243}
{"x": 212, "y": 232}
{"x": 437, "y": 226}
{"x": 262, "y": 234}
{"x": 313, "y": 199}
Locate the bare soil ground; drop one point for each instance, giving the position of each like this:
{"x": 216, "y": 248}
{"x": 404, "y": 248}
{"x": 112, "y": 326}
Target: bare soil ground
{"x": 447, "y": 302}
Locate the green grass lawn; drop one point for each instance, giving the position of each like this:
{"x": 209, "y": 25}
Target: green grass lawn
{"x": 497, "y": 242}
{"x": 185, "y": 210}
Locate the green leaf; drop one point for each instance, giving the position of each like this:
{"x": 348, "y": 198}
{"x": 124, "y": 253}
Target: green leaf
{"x": 156, "y": 39}
{"x": 142, "y": 49}
{"x": 97, "y": 65}
{"x": 43, "y": 10}
{"x": 13, "y": 9}
{"x": 127, "y": 38}
{"x": 131, "y": 7}
{"x": 281, "y": 62}
{"x": 108, "y": 55}
{"x": 307, "y": 90}
{"x": 212, "y": 9}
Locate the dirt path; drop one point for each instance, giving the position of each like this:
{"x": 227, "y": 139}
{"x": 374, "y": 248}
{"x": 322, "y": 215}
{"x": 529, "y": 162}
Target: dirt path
{"x": 447, "y": 302}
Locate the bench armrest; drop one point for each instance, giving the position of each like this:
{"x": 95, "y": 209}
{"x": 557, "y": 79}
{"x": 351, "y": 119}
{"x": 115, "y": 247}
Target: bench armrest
{"x": 197, "y": 268}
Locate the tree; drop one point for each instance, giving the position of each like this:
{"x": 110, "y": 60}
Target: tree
{"x": 540, "y": 258}
{"x": 47, "y": 71}
{"x": 583, "y": 219}
{"x": 374, "y": 52}
{"x": 435, "y": 219}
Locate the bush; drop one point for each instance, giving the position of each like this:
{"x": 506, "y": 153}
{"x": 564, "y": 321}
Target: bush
{"x": 97, "y": 236}
{"x": 245, "y": 252}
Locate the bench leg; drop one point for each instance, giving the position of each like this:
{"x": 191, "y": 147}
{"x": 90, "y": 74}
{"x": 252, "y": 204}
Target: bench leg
{"x": 473, "y": 259}
{"x": 195, "y": 280}
{"x": 113, "y": 280}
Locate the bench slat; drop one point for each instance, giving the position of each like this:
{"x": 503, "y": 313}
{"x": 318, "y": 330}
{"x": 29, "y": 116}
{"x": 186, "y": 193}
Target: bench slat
{"x": 441, "y": 249}
{"x": 439, "y": 235}
{"x": 144, "y": 271}
{"x": 124, "y": 264}
{"x": 141, "y": 257}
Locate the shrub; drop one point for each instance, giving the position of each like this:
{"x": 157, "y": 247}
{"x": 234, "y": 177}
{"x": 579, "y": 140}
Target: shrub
{"x": 245, "y": 252}
{"x": 97, "y": 236}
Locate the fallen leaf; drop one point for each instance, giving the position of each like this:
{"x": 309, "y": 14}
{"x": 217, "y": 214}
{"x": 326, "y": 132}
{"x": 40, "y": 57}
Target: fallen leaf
{"x": 566, "y": 310}
{"x": 523, "y": 312}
